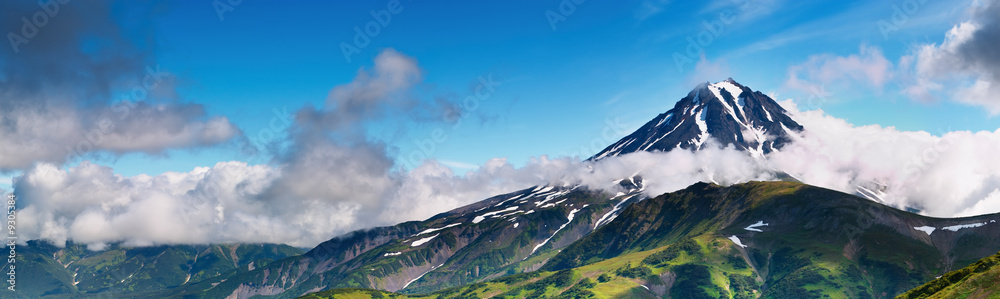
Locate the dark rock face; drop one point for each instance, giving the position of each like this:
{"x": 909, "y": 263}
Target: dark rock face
{"x": 730, "y": 113}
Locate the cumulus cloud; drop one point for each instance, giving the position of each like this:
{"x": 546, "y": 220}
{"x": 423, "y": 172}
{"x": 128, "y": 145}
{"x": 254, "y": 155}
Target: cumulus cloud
{"x": 330, "y": 188}
{"x": 964, "y": 67}
{"x": 326, "y": 177}
{"x": 85, "y": 81}
{"x": 947, "y": 174}
{"x": 967, "y": 58}
{"x": 326, "y": 195}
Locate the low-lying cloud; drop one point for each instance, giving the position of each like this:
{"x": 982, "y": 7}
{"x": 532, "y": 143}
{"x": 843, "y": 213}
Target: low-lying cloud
{"x": 331, "y": 188}
{"x": 327, "y": 177}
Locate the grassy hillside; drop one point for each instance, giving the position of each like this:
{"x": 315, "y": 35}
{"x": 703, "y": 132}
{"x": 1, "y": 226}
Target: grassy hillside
{"x": 753, "y": 240}
{"x": 507, "y": 234}
{"x": 979, "y": 280}
{"x": 73, "y": 271}
{"x": 694, "y": 268}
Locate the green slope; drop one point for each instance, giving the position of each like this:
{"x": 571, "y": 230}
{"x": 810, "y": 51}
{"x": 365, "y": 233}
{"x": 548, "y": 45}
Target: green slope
{"x": 817, "y": 243}
{"x": 979, "y": 280}
{"x": 503, "y": 235}
{"x": 694, "y": 268}
{"x": 120, "y": 271}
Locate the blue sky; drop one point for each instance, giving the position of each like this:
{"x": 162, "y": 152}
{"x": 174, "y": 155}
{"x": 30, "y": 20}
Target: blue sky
{"x": 127, "y": 115}
{"x": 562, "y": 84}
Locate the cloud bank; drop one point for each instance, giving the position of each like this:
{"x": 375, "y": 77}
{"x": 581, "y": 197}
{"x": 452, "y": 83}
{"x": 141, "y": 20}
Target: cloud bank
{"x": 84, "y": 83}
{"x": 327, "y": 177}
{"x": 329, "y": 187}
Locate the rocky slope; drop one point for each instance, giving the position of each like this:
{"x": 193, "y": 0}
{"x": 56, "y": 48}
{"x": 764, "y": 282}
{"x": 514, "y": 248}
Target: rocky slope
{"x": 759, "y": 239}
{"x": 730, "y": 113}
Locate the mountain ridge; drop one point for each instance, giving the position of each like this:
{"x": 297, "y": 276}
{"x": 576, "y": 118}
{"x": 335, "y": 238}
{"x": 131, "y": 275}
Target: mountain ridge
{"x": 750, "y": 240}
{"x": 727, "y": 111}
{"x": 552, "y": 229}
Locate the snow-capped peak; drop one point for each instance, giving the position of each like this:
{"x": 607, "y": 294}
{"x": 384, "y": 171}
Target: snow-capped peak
{"x": 727, "y": 111}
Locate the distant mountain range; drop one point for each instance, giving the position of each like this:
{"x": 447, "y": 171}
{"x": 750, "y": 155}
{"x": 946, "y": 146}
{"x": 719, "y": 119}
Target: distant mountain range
{"x": 770, "y": 239}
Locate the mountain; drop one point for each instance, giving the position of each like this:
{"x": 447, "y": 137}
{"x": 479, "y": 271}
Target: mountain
{"x": 978, "y": 280}
{"x": 731, "y": 113}
{"x": 794, "y": 240}
{"x": 798, "y": 239}
{"x": 758, "y": 239}
{"x": 458, "y": 252}
{"x": 72, "y": 271}
{"x": 506, "y": 234}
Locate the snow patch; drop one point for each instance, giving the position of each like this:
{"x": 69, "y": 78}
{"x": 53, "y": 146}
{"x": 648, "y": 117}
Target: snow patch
{"x": 611, "y": 215}
{"x": 665, "y": 119}
{"x": 421, "y": 275}
{"x": 647, "y": 146}
{"x": 716, "y": 88}
{"x": 754, "y": 227}
{"x": 703, "y": 127}
{"x": 736, "y": 240}
{"x": 392, "y": 254}
{"x": 516, "y": 224}
{"x": 423, "y": 241}
{"x": 431, "y": 230}
{"x": 482, "y": 217}
{"x": 926, "y": 229}
{"x": 570, "y": 219}
{"x": 768, "y": 114}
{"x": 955, "y": 228}
{"x": 733, "y": 90}
{"x": 876, "y": 196}
{"x": 507, "y": 200}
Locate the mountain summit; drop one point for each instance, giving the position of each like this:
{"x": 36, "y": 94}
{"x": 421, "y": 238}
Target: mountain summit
{"x": 727, "y": 111}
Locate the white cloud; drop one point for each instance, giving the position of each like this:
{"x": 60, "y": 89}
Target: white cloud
{"x": 330, "y": 189}
{"x": 949, "y": 175}
{"x": 965, "y": 67}
{"x": 328, "y": 194}
{"x": 83, "y": 87}
{"x": 869, "y": 68}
